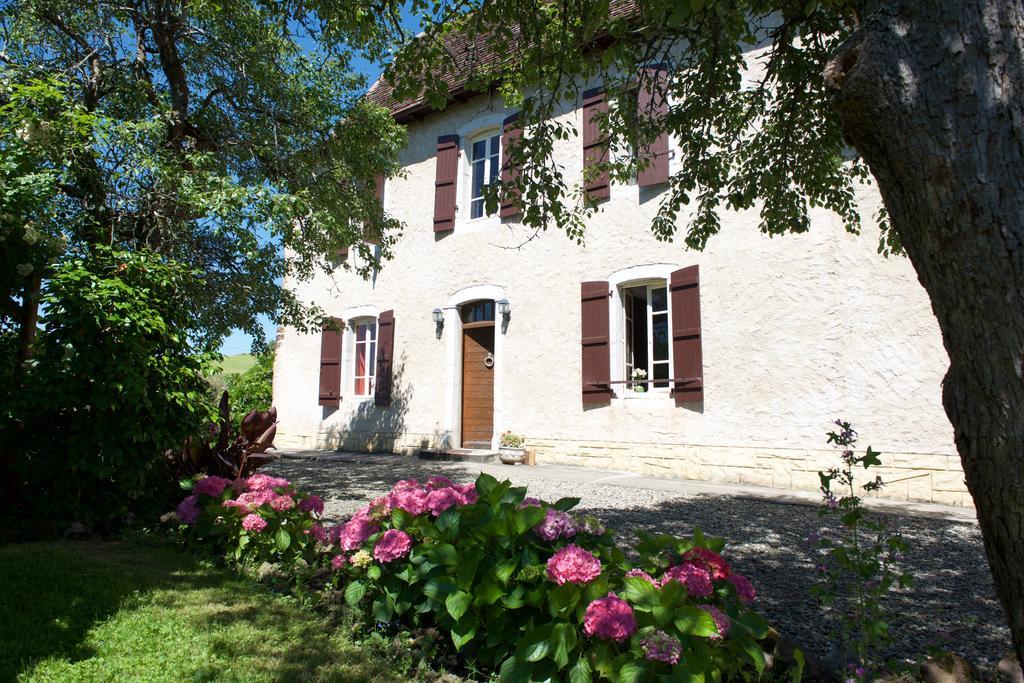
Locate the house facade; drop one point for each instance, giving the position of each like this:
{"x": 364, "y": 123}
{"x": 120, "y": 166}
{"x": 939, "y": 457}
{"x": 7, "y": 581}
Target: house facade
{"x": 750, "y": 348}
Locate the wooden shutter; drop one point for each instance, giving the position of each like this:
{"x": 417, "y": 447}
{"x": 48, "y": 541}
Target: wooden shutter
{"x": 652, "y": 104}
{"x": 511, "y": 132}
{"x": 330, "y": 364}
{"x": 687, "y": 358}
{"x": 594, "y": 328}
{"x": 385, "y": 351}
{"x": 595, "y": 143}
{"x": 343, "y": 253}
{"x": 445, "y": 186}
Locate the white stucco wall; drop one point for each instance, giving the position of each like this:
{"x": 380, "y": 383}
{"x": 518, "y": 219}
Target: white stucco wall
{"x": 797, "y": 330}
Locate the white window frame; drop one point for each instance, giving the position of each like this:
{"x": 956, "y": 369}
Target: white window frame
{"x": 485, "y": 136}
{"x": 649, "y": 285}
{"x": 371, "y": 368}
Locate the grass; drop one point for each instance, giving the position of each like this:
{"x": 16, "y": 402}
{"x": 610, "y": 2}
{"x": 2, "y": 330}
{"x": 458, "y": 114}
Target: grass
{"x": 240, "y": 362}
{"x": 112, "y": 611}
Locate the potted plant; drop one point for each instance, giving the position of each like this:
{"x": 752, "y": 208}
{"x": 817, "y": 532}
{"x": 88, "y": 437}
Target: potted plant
{"x": 510, "y": 448}
{"x": 638, "y": 375}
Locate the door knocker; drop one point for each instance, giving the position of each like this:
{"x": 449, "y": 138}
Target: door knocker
{"x": 489, "y": 361}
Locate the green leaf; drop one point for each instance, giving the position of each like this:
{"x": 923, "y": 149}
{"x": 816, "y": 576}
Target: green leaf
{"x": 354, "y": 592}
{"x": 640, "y": 591}
{"x": 755, "y": 653}
{"x": 283, "y": 539}
{"x": 436, "y": 588}
{"x": 373, "y": 572}
{"x": 562, "y": 599}
{"x": 503, "y": 570}
{"x": 580, "y": 671}
{"x": 693, "y": 621}
{"x": 457, "y": 603}
{"x": 485, "y": 483}
{"x": 462, "y": 633}
{"x": 528, "y": 517}
{"x": 563, "y": 641}
{"x": 487, "y": 593}
{"x": 400, "y": 519}
{"x": 445, "y": 553}
{"x": 566, "y": 504}
{"x": 448, "y": 521}
{"x": 536, "y": 644}
{"x": 515, "y": 670}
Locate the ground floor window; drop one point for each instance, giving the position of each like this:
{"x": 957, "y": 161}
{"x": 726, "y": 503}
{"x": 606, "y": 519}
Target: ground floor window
{"x": 646, "y": 327}
{"x": 364, "y": 367}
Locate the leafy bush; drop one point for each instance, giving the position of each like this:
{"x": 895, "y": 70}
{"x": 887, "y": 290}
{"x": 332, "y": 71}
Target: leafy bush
{"x": 253, "y": 389}
{"x": 256, "y": 519}
{"x": 510, "y": 440}
{"x": 523, "y": 586}
{"x": 113, "y": 384}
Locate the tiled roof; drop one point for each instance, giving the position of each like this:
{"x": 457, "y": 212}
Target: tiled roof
{"x": 467, "y": 55}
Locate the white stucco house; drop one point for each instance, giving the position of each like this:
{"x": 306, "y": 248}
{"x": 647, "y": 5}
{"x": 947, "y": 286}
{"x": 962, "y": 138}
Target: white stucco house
{"x": 750, "y": 348}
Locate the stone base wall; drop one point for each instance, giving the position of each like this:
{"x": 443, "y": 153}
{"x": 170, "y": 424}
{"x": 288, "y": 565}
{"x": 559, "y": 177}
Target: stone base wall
{"x": 928, "y": 477}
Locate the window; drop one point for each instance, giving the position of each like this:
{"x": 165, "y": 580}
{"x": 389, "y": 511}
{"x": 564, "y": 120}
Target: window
{"x": 485, "y": 166}
{"x": 364, "y": 367}
{"x": 646, "y": 327}
{"x": 478, "y": 311}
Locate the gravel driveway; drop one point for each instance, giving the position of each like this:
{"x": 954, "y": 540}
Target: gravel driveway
{"x": 952, "y": 594}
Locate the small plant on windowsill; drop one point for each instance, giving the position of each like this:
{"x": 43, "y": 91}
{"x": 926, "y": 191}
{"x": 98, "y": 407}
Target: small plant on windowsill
{"x": 639, "y": 374}
{"x": 510, "y": 448}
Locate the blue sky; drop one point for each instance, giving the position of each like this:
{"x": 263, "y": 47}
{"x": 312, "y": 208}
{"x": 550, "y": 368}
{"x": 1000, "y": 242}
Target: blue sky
{"x": 239, "y": 342}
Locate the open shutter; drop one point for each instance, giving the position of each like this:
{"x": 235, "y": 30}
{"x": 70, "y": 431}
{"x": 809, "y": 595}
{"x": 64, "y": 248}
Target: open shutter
{"x": 687, "y": 358}
{"x": 385, "y": 351}
{"x": 343, "y": 253}
{"x": 378, "y": 193}
{"x": 445, "y": 184}
{"x": 596, "y": 359}
{"x": 330, "y": 364}
{"x": 595, "y": 143}
{"x": 653, "y": 105}
{"x": 511, "y": 132}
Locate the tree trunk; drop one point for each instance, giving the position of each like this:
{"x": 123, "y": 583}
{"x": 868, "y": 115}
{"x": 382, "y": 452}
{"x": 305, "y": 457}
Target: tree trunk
{"x": 931, "y": 94}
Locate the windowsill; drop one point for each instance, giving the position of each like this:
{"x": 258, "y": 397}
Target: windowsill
{"x": 644, "y": 396}
{"x": 362, "y": 399}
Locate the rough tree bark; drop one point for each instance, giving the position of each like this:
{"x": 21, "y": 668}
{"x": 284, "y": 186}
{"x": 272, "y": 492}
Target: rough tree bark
{"x": 931, "y": 94}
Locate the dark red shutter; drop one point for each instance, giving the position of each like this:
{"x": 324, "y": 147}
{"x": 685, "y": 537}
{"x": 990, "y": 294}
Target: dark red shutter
{"x": 385, "y": 351}
{"x": 445, "y": 186}
{"x": 595, "y": 143}
{"x": 594, "y": 328}
{"x": 343, "y": 253}
{"x": 687, "y": 358}
{"x": 653, "y": 104}
{"x": 511, "y": 132}
{"x": 378, "y": 193}
{"x": 330, "y": 364}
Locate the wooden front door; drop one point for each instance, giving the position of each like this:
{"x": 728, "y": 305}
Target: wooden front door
{"x": 477, "y": 384}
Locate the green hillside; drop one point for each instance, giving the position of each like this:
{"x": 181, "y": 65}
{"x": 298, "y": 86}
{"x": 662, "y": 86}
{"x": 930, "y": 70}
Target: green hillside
{"x": 240, "y": 362}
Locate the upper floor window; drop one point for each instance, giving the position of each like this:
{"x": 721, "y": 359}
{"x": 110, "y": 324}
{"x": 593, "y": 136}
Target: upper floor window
{"x": 364, "y": 367}
{"x": 647, "y": 344}
{"x": 485, "y": 167}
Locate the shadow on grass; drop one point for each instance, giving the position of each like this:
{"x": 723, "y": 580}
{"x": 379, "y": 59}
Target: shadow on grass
{"x": 115, "y": 611}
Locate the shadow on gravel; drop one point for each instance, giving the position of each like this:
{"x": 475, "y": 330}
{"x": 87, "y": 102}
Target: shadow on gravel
{"x": 952, "y": 593}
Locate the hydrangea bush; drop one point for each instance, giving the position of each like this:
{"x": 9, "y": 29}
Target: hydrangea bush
{"x": 521, "y": 586}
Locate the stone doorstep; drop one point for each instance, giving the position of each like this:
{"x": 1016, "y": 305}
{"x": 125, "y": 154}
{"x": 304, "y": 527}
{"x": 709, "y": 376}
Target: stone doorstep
{"x": 459, "y": 455}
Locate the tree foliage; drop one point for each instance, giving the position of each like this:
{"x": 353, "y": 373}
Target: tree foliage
{"x": 252, "y": 389}
{"x": 230, "y": 138}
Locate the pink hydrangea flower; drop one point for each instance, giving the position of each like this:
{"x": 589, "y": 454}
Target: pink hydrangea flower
{"x": 530, "y": 502}
{"x": 744, "y": 589}
{"x": 282, "y": 503}
{"x": 440, "y": 500}
{"x": 319, "y": 534}
{"x": 573, "y": 564}
{"x": 661, "y": 647}
{"x": 412, "y": 500}
{"x": 468, "y": 492}
{"x": 314, "y": 504}
{"x": 439, "y": 482}
{"x": 641, "y": 574}
{"x": 696, "y": 579}
{"x": 610, "y": 618}
{"x": 722, "y": 622}
{"x": 188, "y": 509}
{"x": 254, "y": 523}
{"x": 556, "y": 524}
{"x": 251, "y": 500}
{"x": 264, "y": 482}
{"x": 355, "y": 531}
{"x": 338, "y": 561}
{"x": 711, "y": 561}
{"x": 392, "y": 545}
{"x": 210, "y": 486}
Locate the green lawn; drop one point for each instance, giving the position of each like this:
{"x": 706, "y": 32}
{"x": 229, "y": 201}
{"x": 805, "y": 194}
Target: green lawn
{"x": 240, "y": 362}
{"x": 142, "y": 611}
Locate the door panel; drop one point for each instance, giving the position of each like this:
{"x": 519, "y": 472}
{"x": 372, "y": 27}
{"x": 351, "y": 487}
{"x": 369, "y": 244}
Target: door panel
{"x": 477, "y": 387}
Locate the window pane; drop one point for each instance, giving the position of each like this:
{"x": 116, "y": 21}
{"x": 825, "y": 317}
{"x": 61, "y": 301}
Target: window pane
{"x": 360, "y": 361}
{"x": 476, "y": 208}
{"x": 660, "y": 371}
{"x": 372, "y": 358}
{"x": 478, "y": 178}
{"x": 361, "y": 332}
{"x": 360, "y": 386}
{"x": 659, "y": 329}
{"x": 495, "y": 142}
{"x": 659, "y": 299}
{"x": 373, "y": 330}
{"x": 479, "y": 149}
